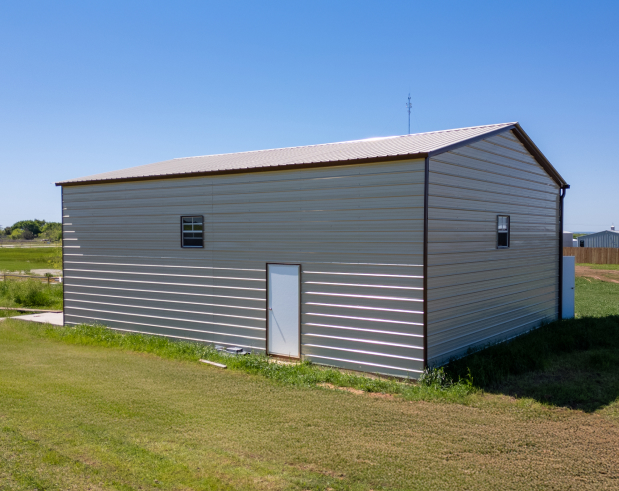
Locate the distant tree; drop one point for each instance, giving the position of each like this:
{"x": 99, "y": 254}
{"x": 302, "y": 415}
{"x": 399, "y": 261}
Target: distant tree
{"x": 16, "y": 234}
{"x": 7, "y": 230}
{"x": 52, "y": 231}
{"x": 33, "y": 226}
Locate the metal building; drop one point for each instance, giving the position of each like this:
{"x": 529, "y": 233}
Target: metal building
{"x": 606, "y": 238}
{"x": 382, "y": 255}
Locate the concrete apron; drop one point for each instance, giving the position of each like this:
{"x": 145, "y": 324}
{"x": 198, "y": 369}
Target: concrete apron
{"x": 53, "y": 318}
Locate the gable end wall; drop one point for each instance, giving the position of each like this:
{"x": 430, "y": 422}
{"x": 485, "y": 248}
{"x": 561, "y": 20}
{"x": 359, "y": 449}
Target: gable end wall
{"x": 478, "y": 294}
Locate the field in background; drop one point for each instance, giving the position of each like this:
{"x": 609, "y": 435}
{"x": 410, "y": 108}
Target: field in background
{"x": 25, "y": 259}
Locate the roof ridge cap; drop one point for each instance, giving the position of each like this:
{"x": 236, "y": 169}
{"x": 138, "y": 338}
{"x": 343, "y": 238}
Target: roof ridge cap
{"x": 342, "y": 142}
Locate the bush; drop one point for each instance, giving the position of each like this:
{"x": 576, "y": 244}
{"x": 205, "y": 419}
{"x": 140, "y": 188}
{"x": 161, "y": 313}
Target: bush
{"x": 30, "y": 293}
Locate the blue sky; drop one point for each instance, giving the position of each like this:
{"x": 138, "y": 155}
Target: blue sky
{"x": 90, "y": 87}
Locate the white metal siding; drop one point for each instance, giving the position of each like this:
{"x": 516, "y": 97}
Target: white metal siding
{"x": 477, "y": 293}
{"x": 356, "y": 230}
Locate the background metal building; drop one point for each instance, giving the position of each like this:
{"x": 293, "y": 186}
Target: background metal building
{"x": 395, "y": 241}
{"x": 606, "y": 238}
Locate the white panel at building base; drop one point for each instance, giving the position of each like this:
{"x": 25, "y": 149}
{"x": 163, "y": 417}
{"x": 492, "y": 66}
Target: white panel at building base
{"x": 569, "y": 281}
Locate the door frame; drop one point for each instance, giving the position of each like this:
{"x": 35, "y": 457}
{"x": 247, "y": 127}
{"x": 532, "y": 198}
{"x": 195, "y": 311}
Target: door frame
{"x": 267, "y": 309}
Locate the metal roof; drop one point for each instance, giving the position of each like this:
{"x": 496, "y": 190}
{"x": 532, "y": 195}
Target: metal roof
{"x": 358, "y": 151}
{"x": 599, "y": 233}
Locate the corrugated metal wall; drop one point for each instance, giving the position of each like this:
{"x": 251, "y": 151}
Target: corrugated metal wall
{"x": 601, "y": 239}
{"x": 356, "y": 230}
{"x": 477, "y": 293}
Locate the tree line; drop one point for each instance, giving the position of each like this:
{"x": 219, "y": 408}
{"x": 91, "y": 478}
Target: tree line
{"x": 32, "y": 229}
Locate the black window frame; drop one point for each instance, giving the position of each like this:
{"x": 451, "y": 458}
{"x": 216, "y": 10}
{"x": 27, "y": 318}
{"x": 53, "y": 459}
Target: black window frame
{"x": 183, "y": 246}
{"x": 500, "y": 232}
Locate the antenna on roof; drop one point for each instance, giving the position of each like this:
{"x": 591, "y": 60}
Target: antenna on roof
{"x": 408, "y": 106}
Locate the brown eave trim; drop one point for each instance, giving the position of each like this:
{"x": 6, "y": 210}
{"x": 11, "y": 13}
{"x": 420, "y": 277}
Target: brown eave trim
{"x": 390, "y": 158}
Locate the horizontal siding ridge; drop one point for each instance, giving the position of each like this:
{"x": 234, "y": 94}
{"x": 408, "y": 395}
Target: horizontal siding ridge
{"x": 366, "y": 341}
{"x": 494, "y": 141}
{"x": 157, "y": 266}
{"x": 165, "y": 274}
{"x": 363, "y": 352}
{"x": 363, "y": 307}
{"x": 260, "y": 309}
{"x": 162, "y": 291}
{"x": 511, "y": 276}
{"x": 364, "y": 286}
{"x": 495, "y": 305}
{"x": 166, "y": 283}
{"x": 175, "y": 319}
{"x": 368, "y": 319}
{"x": 376, "y": 365}
{"x": 374, "y": 297}
{"x": 481, "y": 149}
{"x": 477, "y": 321}
{"x": 509, "y": 294}
{"x": 535, "y": 181}
{"x": 91, "y": 302}
{"x": 480, "y": 341}
{"x": 156, "y": 334}
{"x": 493, "y": 326}
{"x": 491, "y": 288}
{"x": 552, "y": 195}
{"x": 363, "y": 329}
{"x": 364, "y": 274}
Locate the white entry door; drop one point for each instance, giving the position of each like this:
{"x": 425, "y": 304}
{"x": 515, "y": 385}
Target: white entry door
{"x": 284, "y": 324}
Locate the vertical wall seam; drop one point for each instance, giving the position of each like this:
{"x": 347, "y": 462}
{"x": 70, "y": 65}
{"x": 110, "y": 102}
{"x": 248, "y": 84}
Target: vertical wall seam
{"x": 425, "y": 261}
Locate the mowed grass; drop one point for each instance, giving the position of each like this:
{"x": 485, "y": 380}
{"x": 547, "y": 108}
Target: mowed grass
{"x": 25, "y": 259}
{"x": 78, "y": 416}
{"x": 595, "y": 298}
{"x": 573, "y": 363}
{"x": 611, "y": 267}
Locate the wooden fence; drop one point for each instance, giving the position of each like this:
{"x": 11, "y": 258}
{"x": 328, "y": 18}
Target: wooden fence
{"x": 593, "y": 255}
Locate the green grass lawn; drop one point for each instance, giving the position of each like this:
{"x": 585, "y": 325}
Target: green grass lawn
{"x": 595, "y": 298}
{"x": 613, "y": 267}
{"x": 80, "y": 416}
{"x": 89, "y": 408}
{"x": 25, "y": 259}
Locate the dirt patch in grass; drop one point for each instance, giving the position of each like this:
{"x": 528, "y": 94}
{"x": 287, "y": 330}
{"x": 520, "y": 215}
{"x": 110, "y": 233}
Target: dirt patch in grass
{"x": 609, "y": 275}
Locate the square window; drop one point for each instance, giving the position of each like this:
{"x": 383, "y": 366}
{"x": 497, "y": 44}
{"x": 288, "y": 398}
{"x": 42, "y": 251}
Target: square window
{"x": 502, "y": 241}
{"x": 192, "y": 234}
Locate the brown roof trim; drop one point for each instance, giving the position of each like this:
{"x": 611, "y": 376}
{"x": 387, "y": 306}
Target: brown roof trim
{"x": 388, "y": 158}
{"x": 539, "y": 156}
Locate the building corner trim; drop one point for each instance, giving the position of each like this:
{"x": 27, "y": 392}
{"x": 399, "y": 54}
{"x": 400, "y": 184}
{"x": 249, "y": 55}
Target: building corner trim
{"x": 425, "y": 261}
{"x": 64, "y": 285}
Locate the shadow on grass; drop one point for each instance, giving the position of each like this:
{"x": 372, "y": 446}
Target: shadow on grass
{"x": 572, "y": 363}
